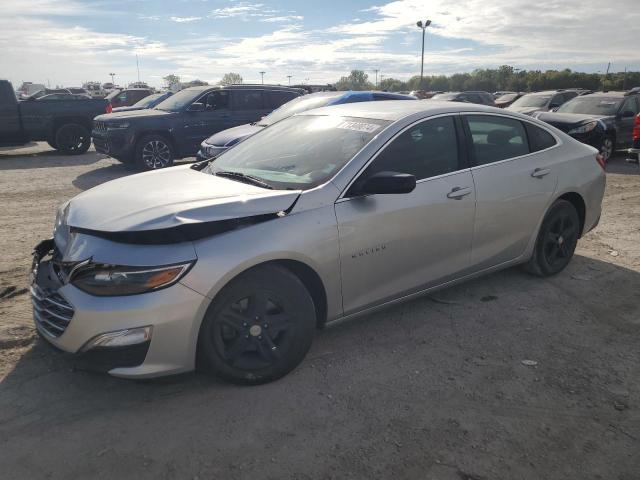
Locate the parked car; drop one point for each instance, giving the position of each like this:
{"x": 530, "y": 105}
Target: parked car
{"x": 64, "y": 124}
{"x": 481, "y": 98}
{"x": 147, "y": 102}
{"x": 79, "y": 91}
{"x": 127, "y": 97}
{"x": 219, "y": 142}
{"x": 175, "y": 128}
{"x": 61, "y": 96}
{"x": 603, "y": 120}
{"x": 45, "y": 91}
{"x": 507, "y": 99}
{"x": 501, "y": 93}
{"x": 327, "y": 214}
{"x": 542, "y": 101}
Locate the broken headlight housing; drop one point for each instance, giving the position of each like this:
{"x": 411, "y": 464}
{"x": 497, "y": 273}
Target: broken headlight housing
{"x": 116, "y": 280}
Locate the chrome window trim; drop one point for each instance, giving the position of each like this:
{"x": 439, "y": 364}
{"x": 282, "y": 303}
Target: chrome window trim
{"x": 559, "y": 141}
{"x": 342, "y": 197}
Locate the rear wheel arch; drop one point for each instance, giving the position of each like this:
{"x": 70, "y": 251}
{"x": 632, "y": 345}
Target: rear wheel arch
{"x": 578, "y": 202}
{"x": 61, "y": 121}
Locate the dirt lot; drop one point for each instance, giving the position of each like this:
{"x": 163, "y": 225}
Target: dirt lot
{"x": 432, "y": 389}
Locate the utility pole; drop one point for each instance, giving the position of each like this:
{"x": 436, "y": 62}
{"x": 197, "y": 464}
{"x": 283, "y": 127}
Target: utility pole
{"x": 289, "y": 77}
{"x": 262, "y": 73}
{"x": 113, "y": 75}
{"x": 624, "y": 79}
{"x": 376, "y": 70}
{"x": 604, "y": 79}
{"x": 423, "y": 26}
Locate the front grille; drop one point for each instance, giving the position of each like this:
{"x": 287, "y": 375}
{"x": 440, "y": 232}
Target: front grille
{"x": 51, "y": 311}
{"x": 100, "y": 126}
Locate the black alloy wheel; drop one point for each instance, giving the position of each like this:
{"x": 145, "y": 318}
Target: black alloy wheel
{"x": 259, "y": 327}
{"x": 557, "y": 240}
{"x": 72, "y": 139}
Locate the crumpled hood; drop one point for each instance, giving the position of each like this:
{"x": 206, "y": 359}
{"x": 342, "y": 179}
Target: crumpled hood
{"x": 240, "y": 132}
{"x": 169, "y": 198}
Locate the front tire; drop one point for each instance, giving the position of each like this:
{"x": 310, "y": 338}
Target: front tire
{"x": 259, "y": 327}
{"x": 556, "y": 240}
{"x": 153, "y": 152}
{"x": 72, "y": 139}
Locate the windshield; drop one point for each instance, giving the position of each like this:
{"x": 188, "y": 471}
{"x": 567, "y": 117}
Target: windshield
{"x": 299, "y": 152}
{"x": 532, "y": 101}
{"x": 147, "y": 101}
{"x": 592, "y": 106}
{"x": 445, "y": 96}
{"x": 299, "y": 104}
{"x": 178, "y": 101}
{"x": 507, "y": 98}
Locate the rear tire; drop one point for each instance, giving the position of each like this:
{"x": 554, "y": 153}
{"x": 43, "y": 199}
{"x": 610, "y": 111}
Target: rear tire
{"x": 259, "y": 327}
{"x": 153, "y": 152}
{"x": 72, "y": 139}
{"x": 556, "y": 240}
{"x": 608, "y": 148}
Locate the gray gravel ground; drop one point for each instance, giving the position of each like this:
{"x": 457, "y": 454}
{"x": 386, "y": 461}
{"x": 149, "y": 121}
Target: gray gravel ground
{"x": 504, "y": 377}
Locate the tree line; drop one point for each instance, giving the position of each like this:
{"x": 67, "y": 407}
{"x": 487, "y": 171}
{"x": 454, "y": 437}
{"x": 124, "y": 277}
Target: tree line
{"x": 503, "y": 78}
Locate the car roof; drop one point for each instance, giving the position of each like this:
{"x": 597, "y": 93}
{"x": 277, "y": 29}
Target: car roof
{"x": 204, "y": 88}
{"x": 396, "y": 109}
{"x": 607, "y": 94}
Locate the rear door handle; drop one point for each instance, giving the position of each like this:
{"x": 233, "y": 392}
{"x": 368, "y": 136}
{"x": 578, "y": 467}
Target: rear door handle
{"x": 458, "y": 192}
{"x": 540, "y": 172}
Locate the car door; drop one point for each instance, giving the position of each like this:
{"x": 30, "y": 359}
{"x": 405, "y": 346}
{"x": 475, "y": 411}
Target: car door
{"x": 625, "y": 121}
{"x": 248, "y": 106}
{"x": 212, "y": 116}
{"x": 392, "y": 245}
{"x": 10, "y": 128}
{"x": 514, "y": 182}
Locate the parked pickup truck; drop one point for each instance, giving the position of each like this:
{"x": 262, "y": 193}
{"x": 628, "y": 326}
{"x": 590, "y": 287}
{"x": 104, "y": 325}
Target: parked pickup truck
{"x": 64, "y": 124}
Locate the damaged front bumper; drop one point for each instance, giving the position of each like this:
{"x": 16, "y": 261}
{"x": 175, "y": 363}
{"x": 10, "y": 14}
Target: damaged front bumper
{"x": 133, "y": 336}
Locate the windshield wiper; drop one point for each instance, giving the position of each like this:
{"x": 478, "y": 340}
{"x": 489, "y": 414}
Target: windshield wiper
{"x": 243, "y": 177}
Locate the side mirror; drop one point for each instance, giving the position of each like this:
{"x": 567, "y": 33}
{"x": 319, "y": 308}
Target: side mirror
{"x": 384, "y": 183}
{"x": 628, "y": 114}
{"x": 196, "y": 107}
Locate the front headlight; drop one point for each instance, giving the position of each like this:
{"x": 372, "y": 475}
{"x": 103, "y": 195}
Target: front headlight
{"x": 587, "y": 127}
{"x": 114, "y": 280}
{"x": 117, "y": 125}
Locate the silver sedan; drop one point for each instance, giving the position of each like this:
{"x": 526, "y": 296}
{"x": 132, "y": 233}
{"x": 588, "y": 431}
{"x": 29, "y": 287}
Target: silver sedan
{"x": 231, "y": 265}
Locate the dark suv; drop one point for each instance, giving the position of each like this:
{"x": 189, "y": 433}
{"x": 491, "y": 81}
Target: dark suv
{"x": 602, "y": 120}
{"x": 482, "y": 98}
{"x": 173, "y": 129}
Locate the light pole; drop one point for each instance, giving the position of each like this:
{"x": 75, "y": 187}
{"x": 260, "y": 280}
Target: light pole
{"x": 262, "y": 73}
{"x": 289, "y": 77}
{"x": 376, "y": 70}
{"x": 113, "y": 78}
{"x": 423, "y": 26}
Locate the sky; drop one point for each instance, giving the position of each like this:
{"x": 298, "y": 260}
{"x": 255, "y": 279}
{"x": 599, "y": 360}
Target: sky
{"x": 68, "y": 42}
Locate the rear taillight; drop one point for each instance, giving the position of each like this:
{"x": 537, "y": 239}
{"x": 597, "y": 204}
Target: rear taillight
{"x": 109, "y": 108}
{"x": 601, "y": 161}
{"x": 636, "y": 128}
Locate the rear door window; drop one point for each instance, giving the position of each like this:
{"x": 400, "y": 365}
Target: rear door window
{"x": 217, "y": 100}
{"x": 274, "y": 99}
{"x": 496, "y": 138}
{"x": 539, "y": 139}
{"x": 248, "y": 99}
{"x": 631, "y": 105}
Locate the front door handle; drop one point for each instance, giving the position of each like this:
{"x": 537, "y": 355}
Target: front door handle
{"x": 458, "y": 192}
{"x": 540, "y": 172}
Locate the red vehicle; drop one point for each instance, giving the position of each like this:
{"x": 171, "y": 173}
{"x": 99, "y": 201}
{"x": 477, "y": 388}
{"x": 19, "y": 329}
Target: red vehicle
{"x": 634, "y": 151}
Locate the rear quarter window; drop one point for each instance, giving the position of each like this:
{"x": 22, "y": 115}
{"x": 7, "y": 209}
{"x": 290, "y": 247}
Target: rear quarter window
{"x": 539, "y": 139}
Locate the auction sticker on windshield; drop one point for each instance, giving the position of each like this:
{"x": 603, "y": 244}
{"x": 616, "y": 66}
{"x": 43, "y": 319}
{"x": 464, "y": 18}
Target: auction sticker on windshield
{"x": 359, "y": 126}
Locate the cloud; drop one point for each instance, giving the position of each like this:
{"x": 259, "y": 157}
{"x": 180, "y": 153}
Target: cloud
{"x": 284, "y": 18}
{"x": 184, "y": 19}
{"x": 242, "y": 9}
